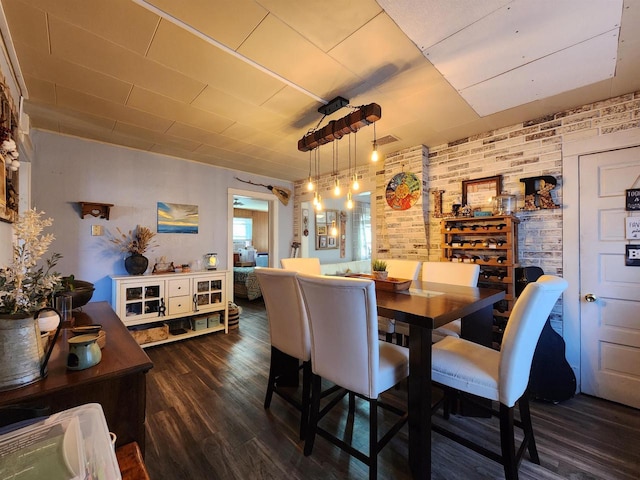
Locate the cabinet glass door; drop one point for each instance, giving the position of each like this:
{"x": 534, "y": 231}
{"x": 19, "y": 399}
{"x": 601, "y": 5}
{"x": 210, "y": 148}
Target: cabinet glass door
{"x": 142, "y": 300}
{"x": 208, "y": 292}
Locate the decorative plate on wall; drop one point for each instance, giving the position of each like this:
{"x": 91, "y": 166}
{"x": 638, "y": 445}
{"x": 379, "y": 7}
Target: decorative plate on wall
{"x": 403, "y": 190}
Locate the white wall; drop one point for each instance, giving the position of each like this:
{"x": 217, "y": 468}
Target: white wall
{"x": 67, "y": 170}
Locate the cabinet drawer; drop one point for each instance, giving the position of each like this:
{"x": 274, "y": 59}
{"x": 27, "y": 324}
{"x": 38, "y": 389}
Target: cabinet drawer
{"x": 179, "y": 287}
{"x": 181, "y": 304}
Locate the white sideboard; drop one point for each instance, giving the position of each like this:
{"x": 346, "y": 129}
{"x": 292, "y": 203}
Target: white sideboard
{"x": 185, "y": 299}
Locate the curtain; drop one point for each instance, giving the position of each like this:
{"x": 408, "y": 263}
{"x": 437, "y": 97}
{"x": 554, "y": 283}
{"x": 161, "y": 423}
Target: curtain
{"x": 361, "y": 227}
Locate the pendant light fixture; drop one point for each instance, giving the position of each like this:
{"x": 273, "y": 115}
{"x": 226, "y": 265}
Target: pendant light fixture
{"x": 336, "y": 129}
{"x": 374, "y": 153}
{"x": 334, "y": 229}
{"x": 336, "y": 181}
{"x": 310, "y": 182}
{"x": 355, "y": 185}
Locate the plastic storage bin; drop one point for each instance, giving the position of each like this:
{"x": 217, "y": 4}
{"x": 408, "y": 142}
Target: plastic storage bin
{"x": 73, "y": 444}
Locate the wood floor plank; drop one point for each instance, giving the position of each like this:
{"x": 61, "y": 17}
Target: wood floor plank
{"x": 205, "y": 420}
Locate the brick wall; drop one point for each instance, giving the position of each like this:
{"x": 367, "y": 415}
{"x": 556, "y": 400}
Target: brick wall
{"x": 518, "y": 151}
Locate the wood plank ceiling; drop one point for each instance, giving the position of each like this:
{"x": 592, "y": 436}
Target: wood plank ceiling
{"x": 236, "y": 83}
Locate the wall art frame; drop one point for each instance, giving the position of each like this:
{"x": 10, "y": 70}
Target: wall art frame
{"x": 479, "y": 193}
{"x": 177, "y": 218}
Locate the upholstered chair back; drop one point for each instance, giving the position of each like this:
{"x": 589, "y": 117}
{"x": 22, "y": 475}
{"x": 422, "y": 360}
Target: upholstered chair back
{"x": 287, "y": 316}
{"x": 302, "y": 265}
{"x": 463, "y": 274}
{"x": 529, "y": 314}
{"x": 407, "y": 269}
{"x": 344, "y": 331}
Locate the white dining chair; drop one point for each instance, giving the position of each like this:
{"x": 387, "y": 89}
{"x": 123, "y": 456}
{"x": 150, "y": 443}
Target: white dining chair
{"x": 289, "y": 333}
{"x": 396, "y": 268}
{"x": 355, "y": 359}
{"x": 310, "y": 265}
{"x": 463, "y": 274}
{"x": 500, "y": 376}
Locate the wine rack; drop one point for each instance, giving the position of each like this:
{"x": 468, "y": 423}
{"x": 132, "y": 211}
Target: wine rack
{"x": 492, "y": 243}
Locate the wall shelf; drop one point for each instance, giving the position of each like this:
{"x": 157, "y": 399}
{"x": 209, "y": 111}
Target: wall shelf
{"x": 100, "y": 210}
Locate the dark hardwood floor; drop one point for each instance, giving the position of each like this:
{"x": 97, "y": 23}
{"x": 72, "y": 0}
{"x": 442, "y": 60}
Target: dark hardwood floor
{"x": 205, "y": 420}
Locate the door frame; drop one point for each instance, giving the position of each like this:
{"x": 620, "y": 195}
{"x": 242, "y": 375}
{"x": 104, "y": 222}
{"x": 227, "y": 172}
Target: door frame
{"x": 571, "y": 153}
{"x": 273, "y": 223}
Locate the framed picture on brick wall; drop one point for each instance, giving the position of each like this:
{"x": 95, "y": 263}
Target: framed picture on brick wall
{"x": 479, "y": 193}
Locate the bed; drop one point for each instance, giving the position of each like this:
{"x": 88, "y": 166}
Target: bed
{"x": 245, "y": 283}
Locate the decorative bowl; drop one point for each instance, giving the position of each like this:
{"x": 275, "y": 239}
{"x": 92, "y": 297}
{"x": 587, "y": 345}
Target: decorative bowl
{"x": 80, "y": 294}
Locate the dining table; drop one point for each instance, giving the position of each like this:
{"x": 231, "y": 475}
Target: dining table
{"x": 426, "y": 306}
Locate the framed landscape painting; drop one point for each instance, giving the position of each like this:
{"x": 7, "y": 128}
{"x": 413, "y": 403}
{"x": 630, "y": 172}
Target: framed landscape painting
{"x": 177, "y": 218}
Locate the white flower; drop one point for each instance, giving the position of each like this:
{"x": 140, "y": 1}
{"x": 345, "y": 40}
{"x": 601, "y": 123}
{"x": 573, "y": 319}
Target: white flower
{"x": 24, "y": 287}
{"x": 9, "y": 145}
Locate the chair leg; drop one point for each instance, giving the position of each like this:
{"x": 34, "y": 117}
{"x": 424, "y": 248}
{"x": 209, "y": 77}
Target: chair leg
{"x": 388, "y": 337}
{"x": 306, "y": 398}
{"x": 314, "y": 416}
{"x": 352, "y": 404}
{"x": 525, "y": 418}
{"x": 507, "y": 443}
{"x": 271, "y": 383}
{"x": 373, "y": 439}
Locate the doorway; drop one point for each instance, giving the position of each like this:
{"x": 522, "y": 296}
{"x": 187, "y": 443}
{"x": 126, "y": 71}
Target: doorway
{"x": 260, "y": 227}
{"x": 600, "y": 325}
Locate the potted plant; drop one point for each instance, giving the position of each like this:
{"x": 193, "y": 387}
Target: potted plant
{"x": 379, "y": 269}
{"x": 135, "y": 243}
{"x": 25, "y": 288}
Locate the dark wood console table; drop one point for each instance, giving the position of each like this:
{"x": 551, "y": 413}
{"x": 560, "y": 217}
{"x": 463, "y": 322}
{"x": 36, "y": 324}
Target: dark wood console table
{"x": 118, "y": 382}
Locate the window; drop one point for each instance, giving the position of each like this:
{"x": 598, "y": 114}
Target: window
{"x": 242, "y": 229}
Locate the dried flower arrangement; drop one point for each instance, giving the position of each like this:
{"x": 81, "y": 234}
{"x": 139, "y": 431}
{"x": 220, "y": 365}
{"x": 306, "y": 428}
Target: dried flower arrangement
{"x": 24, "y": 287}
{"x": 137, "y": 241}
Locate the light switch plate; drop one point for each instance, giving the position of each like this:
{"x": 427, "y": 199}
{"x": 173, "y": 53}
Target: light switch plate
{"x": 96, "y": 230}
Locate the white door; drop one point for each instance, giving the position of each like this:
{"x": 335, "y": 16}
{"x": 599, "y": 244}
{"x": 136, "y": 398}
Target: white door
{"x": 610, "y": 325}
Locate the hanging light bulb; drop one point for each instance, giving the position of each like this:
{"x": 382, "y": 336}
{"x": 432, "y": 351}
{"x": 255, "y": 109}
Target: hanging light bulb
{"x": 319, "y": 204}
{"x": 336, "y": 188}
{"x": 374, "y": 154}
{"x": 349, "y": 200}
{"x": 315, "y": 199}
{"x": 310, "y": 182}
{"x": 334, "y": 229}
{"x": 356, "y": 185}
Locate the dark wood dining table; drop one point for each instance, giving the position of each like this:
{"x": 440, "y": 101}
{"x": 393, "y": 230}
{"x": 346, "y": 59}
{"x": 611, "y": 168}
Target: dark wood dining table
{"x": 426, "y": 306}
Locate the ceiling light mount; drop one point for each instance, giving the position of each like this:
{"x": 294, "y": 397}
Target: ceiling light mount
{"x": 333, "y": 106}
{"x": 336, "y": 129}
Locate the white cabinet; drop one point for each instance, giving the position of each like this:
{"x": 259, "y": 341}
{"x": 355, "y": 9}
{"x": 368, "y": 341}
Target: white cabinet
{"x": 182, "y": 302}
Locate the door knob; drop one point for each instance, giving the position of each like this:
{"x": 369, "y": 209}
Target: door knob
{"x": 590, "y": 297}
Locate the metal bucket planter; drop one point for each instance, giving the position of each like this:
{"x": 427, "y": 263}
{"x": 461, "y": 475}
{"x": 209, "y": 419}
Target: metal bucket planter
{"x": 21, "y": 352}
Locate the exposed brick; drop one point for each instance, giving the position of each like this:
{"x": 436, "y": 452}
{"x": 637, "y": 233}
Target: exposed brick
{"x": 617, "y": 128}
{"x": 495, "y": 139}
{"x": 537, "y": 136}
{"x": 458, "y": 142}
{"x": 535, "y": 121}
{"x": 574, "y": 111}
{"x": 524, "y": 131}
